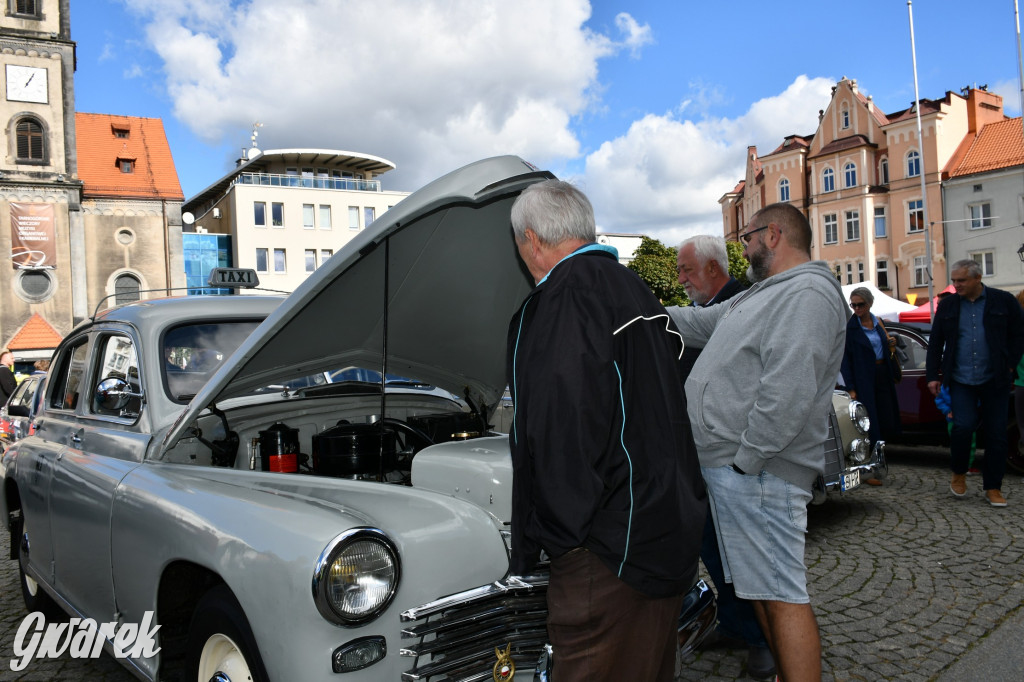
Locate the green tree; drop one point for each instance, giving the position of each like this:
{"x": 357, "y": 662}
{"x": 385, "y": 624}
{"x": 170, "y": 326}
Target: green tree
{"x": 737, "y": 263}
{"x": 655, "y": 263}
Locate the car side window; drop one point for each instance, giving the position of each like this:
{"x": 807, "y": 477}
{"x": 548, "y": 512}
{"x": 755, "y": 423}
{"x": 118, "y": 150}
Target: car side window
{"x": 117, "y": 359}
{"x": 67, "y": 379}
{"x": 913, "y": 354}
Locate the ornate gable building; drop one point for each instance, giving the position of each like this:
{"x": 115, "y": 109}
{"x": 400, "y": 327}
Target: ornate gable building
{"x": 858, "y": 180}
{"x": 73, "y": 238}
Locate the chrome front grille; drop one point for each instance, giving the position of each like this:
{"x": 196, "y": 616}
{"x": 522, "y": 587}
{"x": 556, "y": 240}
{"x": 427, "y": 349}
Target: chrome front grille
{"x": 833, "y": 448}
{"x": 454, "y": 638}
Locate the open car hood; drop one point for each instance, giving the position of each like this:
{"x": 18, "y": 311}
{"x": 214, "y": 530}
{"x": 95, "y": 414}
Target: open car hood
{"x": 431, "y": 285}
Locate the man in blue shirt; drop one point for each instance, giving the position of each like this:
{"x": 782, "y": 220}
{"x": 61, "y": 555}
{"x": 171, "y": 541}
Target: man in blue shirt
{"x": 976, "y": 342}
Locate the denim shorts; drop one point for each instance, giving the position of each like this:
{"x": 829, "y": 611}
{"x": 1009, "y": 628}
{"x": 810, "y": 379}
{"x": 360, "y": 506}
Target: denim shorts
{"x": 761, "y": 521}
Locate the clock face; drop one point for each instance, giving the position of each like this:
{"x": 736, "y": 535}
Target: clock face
{"x": 26, "y": 84}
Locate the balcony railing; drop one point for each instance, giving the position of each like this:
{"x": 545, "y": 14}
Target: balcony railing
{"x": 275, "y": 180}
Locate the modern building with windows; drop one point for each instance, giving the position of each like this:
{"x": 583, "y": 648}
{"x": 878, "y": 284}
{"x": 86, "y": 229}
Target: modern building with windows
{"x": 857, "y": 178}
{"x": 288, "y": 210}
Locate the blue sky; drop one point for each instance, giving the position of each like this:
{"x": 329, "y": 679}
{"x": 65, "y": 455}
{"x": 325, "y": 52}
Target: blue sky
{"x": 647, "y": 105}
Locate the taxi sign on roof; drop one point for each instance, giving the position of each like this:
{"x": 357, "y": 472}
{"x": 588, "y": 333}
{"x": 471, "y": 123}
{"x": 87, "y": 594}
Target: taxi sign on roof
{"x": 233, "y": 277}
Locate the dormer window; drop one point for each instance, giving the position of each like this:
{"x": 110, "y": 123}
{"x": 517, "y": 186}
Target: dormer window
{"x": 126, "y": 165}
{"x": 121, "y": 132}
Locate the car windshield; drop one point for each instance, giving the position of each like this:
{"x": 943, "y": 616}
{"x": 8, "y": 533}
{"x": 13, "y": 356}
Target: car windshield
{"x": 193, "y": 352}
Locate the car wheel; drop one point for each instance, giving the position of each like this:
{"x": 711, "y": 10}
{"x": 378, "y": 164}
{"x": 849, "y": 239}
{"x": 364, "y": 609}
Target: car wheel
{"x": 220, "y": 641}
{"x": 34, "y": 596}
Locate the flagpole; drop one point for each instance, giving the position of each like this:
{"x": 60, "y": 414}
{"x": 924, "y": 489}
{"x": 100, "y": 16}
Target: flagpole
{"x": 920, "y": 144}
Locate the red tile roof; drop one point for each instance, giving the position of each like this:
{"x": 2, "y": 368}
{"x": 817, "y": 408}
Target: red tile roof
{"x": 142, "y": 142}
{"x": 879, "y": 115}
{"x": 792, "y": 142}
{"x": 845, "y": 143}
{"x": 998, "y": 145}
{"x": 35, "y": 334}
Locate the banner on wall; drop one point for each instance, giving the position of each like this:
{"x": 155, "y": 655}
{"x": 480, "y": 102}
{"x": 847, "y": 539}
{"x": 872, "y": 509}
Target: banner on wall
{"x": 33, "y": 236}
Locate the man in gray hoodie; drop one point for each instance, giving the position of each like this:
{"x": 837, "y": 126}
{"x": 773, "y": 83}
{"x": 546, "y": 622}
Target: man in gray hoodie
{"x": 756, "y": 399}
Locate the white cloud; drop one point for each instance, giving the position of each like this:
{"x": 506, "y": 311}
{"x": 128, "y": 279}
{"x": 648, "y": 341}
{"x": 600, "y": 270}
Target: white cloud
{"x": 428, "y": 84}
{"x": 665, "y": 175}
{"x": 1009, "y": 90}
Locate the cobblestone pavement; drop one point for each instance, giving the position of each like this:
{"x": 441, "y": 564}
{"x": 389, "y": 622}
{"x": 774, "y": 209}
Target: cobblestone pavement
{"x": 904, "y": 579}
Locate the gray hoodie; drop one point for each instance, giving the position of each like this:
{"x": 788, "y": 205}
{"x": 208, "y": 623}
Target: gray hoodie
{"x": 759, "y": 395}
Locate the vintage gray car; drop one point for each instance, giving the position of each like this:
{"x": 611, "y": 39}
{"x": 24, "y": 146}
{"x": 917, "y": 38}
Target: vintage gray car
{"x": 850, "y": 457}
{"x": 280, "y": 529}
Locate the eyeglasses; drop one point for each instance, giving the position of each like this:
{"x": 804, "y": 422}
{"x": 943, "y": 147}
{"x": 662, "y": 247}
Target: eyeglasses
{"x": 857, "y": 305}
{"x": 746, "y": 237}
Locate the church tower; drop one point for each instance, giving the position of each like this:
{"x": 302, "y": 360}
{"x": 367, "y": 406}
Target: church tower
{"x": 41, "y": 226}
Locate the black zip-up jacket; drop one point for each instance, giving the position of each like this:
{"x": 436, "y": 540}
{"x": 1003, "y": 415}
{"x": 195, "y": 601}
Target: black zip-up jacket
{"x": 1004, "y": 333}
{"x": 599, "y": 449}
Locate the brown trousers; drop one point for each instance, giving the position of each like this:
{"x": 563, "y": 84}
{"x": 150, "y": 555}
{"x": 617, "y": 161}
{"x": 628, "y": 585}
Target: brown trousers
{"x": 603, "y": 629}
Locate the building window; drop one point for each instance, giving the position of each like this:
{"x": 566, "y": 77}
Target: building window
{"x": 831, "y": 229}
{"x": 828, "y": 180}
{"x": 981, "y": 215}
{"x": 310, "y": 260}
{"x": 325, "y": 255}
{"x": 259, "y": 210}
{"x": 920, "y": 271}
{"x": 915, "y": 216}
{"x": 849, "y": 273}
{"x": 280, "y": 261}
{"x": 261, "y": 260}
{"x": 850, "y": 175}
{"x": 307, "y": 216}
{"x": 852, "y": 226}
{"x": 986, "y": 259}
{"x": 325, "y": 217}
{"x": 26, "y": 8}
{"x": 121, "y": 133}
{"x": 126, "y": 165}
{"x": 353, "y": 217}
{"x": 846, "y": 117}
{"x": 29, "y": 134}
{"x": 860, "y": 272}
{"x": 783, "y": 189}
{"x": 913, "y": 164}
{"x": 880, "y": 228}
{"x": 126, "y": 289}
{"x": 277, "y": 214}
{"x": 882, "y": 274}
{"x": 369, "y": 215}
{"x": 883, "y": 171}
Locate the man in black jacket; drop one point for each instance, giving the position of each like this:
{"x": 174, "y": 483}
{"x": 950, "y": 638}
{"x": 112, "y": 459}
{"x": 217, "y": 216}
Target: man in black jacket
{"x": 8, "y": 382}
{"x": 976, "y": 342}
{"x": 604, "y": 478}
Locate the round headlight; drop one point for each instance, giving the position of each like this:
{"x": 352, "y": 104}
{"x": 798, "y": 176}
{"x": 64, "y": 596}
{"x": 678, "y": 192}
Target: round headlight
{"x": 859, "y": 416}
{"x": 356, "y": 576}
{"x": 860, "y": 450}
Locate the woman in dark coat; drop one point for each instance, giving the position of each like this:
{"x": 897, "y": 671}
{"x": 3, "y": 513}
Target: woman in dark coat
{"x": 866, "y": 368}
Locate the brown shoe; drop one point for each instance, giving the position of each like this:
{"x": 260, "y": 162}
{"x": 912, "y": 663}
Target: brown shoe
{"x": 873, "y": 481}
{"x": 995, "y": 497}
{"x": 958, "y": 486}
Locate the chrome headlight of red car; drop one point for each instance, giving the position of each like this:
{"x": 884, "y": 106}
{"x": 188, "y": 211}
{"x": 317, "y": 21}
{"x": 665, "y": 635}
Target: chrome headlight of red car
{"x": 859, "y": 416}
{"x": 356, "y": 576}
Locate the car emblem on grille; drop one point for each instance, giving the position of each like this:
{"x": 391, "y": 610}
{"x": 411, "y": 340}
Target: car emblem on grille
{"x": 505, "y": 668}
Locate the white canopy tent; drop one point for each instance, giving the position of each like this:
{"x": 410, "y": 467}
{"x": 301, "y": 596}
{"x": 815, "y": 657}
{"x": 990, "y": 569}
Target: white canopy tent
{"x": 885, "y": 306}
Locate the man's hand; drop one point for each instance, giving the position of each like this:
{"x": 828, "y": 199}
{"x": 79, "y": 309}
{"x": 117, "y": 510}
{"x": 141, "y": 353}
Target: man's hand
{"x": 934, "y": 387}
{"x": 853, "y": 395}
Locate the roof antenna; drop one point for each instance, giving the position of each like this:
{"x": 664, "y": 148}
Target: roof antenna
{"x": 253, "y": 151}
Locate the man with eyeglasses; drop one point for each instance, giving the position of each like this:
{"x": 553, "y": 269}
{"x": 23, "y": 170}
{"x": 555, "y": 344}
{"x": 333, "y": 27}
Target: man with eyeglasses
{"x": 755, "y": 400}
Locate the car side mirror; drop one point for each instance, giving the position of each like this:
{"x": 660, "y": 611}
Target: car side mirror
{"x": 114, "y": 393}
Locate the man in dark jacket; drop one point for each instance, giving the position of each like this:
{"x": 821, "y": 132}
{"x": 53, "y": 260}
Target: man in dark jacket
{"x": 605, "y": 481}
{"x": 702, "y": 264}
{"x": 8, "y": 382}
{"x": 976, "y": 342}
